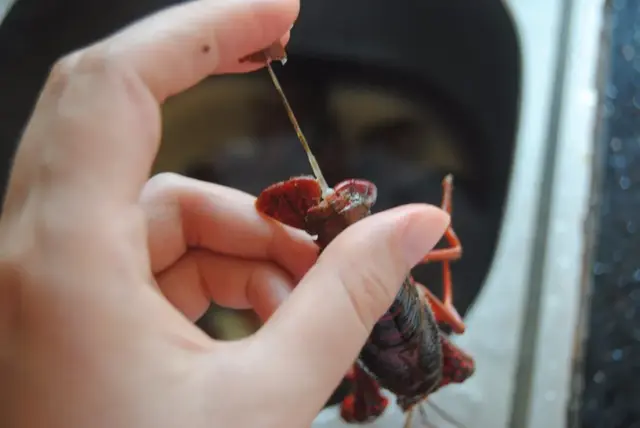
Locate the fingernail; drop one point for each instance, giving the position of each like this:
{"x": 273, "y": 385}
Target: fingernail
{"x": 424, "y": 227}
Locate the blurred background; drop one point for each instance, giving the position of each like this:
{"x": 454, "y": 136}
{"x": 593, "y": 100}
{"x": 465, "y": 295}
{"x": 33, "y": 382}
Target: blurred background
{"x": 530, "y": 104}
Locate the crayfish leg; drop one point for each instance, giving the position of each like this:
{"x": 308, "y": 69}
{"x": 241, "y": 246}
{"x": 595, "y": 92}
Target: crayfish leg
{"x": 424, "y": 418}
{"x": 443, "y": 313}
{"x": 408, "y": 419}
{"x": 444, "y": 310}
{"x": 288, "y": 201}
{"x": 365, "y": 403}
{"x": 424, "y": 421}
{"x": 454, "y": 252}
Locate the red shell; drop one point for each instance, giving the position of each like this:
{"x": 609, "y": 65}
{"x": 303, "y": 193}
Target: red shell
{"x": 288, "y": 201}
{"x": 365, "y": 403}
{"x": 457, "y": 365}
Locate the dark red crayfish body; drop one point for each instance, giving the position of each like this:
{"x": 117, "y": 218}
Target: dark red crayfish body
{"x": 457, "y": 365}
{"x": 366, "y": 402}
{"x": 403, "y": 352}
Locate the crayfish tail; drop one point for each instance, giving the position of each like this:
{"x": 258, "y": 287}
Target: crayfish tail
{"x": 366, "y": 402}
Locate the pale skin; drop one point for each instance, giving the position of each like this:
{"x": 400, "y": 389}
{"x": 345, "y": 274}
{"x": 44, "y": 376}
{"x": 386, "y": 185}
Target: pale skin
{"x": 103, "y": 271}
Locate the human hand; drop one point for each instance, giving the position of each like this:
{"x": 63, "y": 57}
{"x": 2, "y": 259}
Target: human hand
{"x": 103, "y": 272}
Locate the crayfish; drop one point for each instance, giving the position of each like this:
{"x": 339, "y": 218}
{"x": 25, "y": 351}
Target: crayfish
{"x": 407, "y": 352}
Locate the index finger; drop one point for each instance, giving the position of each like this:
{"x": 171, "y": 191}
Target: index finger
{"x": 96, "y": 127}
{"x": 176, "y": 48}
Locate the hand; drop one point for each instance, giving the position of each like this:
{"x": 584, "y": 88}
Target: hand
{"x": 102, "y": 273}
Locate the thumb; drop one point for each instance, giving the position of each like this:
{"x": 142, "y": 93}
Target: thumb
{"x": 318, "y": 332}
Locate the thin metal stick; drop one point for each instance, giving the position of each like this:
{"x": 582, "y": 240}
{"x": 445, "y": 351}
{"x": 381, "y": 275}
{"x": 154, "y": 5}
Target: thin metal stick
{"x": 312, "y": 159}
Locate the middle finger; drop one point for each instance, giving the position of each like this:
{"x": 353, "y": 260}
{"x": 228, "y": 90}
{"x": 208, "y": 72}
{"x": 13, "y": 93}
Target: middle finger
{"x": 184, "y": 213}
{"x": 200, "y": 277}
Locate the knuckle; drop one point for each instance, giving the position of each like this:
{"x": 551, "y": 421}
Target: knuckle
{"x": 65, "y": 66}
{"x": 68, "y": 66}
{"x": 95, "y": 60}
{"x": 62, "y": 72}
{"x": 161, "y": 184}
